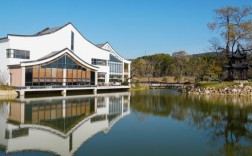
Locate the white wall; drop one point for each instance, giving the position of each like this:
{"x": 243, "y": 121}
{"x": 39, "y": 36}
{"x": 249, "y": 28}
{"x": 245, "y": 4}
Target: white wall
{"x": 39, "y": 46}
{"x": 4, "y": 44}
{"x": 86, "y": 50}
{"x": 106, "y": 70}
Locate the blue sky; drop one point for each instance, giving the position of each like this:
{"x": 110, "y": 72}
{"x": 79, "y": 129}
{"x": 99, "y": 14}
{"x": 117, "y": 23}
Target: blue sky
{"x": 133, "y": 27}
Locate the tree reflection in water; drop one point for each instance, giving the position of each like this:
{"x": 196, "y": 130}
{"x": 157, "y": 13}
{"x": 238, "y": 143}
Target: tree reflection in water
{"x": 226, "y": 119}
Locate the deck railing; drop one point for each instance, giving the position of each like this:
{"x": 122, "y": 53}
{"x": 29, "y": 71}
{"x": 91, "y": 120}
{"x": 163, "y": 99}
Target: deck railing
{"x": 56, "y": 86}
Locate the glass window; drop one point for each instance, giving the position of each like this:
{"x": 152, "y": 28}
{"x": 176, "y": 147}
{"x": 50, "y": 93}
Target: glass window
{"x": 15, "y": 53}
{"x": 101, "y": 62}
{"x": 28, "y": 76}
{"x": 92, "y": 78}
{"x": 8, "y": 53}
{"x": 72, "y": 41}
{"x": 52, "y": 73}
{"x": 114, "y": 59}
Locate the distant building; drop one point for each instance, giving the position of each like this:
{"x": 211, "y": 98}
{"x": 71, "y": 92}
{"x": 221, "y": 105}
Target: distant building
{"x": 60, "y": 56}
{"x": 238, "y": 64}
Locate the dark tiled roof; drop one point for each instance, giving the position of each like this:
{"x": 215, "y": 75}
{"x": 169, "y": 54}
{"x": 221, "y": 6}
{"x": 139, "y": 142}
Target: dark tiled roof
{"x": 48, "y": 30}
{"x": 44, "y": 31}
{"x": 46, "y": 56}
{"x": 239, "y": 55}
{"x": 100, "y": 45}
{"x": 49, "y": 55}
{"x": 4, "y": 38}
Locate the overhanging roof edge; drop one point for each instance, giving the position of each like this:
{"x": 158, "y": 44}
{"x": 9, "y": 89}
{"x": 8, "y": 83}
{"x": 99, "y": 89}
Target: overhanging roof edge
{"x": 56, "y": 55}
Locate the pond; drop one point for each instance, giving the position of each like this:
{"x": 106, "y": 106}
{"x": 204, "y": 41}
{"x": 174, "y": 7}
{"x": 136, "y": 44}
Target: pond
{"x": 150, "y": 122}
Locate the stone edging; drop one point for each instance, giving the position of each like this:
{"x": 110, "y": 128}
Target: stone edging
{"x": 239, "y": 90}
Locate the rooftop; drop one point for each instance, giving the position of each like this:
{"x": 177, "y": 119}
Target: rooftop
{"x": 48, "y": 30}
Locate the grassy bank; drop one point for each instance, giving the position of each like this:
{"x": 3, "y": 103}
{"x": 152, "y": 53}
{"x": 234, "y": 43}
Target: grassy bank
{"x": 215, "y": 84}
{"x": 167, "y": 79}
{"x": 139, "y": 87}
{"x": 5, "y": 87}
{"x": 220, "y": 85}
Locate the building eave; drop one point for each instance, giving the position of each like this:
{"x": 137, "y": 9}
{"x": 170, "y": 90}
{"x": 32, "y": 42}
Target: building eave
{"x": 115, "y": 53}
{"x": 87, "y": 39}
{"x": 69, "y": 23}
{"x": 54, "y": 56}
{"x": 4, "y": 39}
{"x": 37, "y": 35}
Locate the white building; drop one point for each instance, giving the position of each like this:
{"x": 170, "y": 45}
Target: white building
{"x": 21, "y": 52}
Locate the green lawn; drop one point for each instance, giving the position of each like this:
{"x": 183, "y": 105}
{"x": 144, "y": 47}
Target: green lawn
{"x": 215, "y": 84}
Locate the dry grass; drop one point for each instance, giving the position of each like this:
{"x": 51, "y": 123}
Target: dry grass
{"x": 216, "y": 84}
{"x": 5, "y": 87}
{"x": 167, "y": 79}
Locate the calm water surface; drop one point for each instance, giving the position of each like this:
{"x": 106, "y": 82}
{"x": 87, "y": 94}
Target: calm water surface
{"x": 152, "y": 122}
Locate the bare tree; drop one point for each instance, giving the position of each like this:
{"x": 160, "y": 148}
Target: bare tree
{"x": 3, "y": 78}
{"x": 215, "y": 45}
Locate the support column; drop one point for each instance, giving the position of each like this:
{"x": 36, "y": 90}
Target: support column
{"x": 23, "y": 76}
{"x": 122, "y": 99}
{"x": 95, "y": 91}
{"x": 22, "y": 112}
{"x": 95, "y": 104}
{"x": 123, "y": 71}
{"x": 129, "y": 73}
{"x": 21, "y": 93}
{"x": 63, "y": 93}
{"x": 96, "y": 78}
{"x": 64, "y": 77}
{"x": 64, "y": 108}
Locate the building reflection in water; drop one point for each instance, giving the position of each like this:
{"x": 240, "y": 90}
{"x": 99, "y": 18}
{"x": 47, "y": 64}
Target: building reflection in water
{"x": 58, "y": 125}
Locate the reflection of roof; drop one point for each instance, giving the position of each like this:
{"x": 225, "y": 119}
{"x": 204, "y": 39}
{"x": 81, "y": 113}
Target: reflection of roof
{"x": 64, "y": 125}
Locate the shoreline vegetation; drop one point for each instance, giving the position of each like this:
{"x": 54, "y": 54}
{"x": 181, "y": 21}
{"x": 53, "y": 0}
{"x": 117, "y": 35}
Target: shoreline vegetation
{"x": 137, "y": 82}
{"x": 214, "y": 88}
{"x": 6, "y": 87}
{"x": 7, "y": 92}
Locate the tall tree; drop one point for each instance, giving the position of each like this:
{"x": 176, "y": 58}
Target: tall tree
{"x": 181, "y": 58}
{"x": 235, "y": 26}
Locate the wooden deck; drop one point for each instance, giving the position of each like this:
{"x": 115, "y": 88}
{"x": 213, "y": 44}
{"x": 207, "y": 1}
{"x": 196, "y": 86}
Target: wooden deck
{"x": 64, "y": 89}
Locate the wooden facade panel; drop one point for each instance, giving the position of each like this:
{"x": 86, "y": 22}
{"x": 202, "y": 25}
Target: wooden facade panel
{"x": 16, "y": 77}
